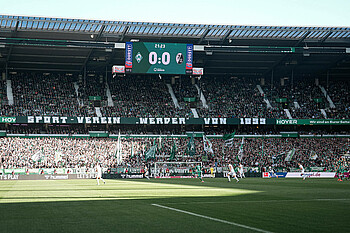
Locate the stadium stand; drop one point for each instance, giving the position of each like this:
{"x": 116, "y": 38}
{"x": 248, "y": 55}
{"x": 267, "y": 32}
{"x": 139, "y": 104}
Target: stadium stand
{"x": 339, "y": 92}
{"x": 139, "y": 96}
{"x": 299, "y": 98}
{"x": 228, "y": 97}
{"x": 38, "y": 94}
{"x": 78, "y": 152}
{"x": 270, "y": 87}
{"x": 54, "y": 95}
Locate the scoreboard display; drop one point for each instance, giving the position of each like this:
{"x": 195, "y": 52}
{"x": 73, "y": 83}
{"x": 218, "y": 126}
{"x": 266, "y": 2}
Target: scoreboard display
{"x": 158, "y": 58}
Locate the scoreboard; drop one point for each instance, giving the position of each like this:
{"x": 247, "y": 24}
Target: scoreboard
{"x": 158, "y": 58}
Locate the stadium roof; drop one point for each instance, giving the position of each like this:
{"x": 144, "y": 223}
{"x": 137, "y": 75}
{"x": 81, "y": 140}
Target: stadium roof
{"x": 221, "y": 32}
{"x": 120, "y": 28}
{"x": 57, "y": 44}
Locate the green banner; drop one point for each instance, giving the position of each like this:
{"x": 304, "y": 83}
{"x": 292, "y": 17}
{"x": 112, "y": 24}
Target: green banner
{"x": 318, "y": 100}
{"x": 15, "y": 171}
{"x": 99, "y": 135}
{"x": 281, "y": 100}
{"x": 168, "y": 121}
{"x": 7, "y": 119}
{"x": 195, "y": 134}
{"x": 142, "y": 120}
{"x": 95, "y": 98}
{"x": 190, "y": 99}
{"x": 289, "y": 134}
{"x": 312, "y": 122}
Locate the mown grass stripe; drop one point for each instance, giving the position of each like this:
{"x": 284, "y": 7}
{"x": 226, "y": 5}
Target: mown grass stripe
{"x": 258, "y": 201}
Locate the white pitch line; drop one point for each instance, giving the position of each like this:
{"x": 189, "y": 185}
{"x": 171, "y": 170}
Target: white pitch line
{"x": 267, "y": 201}
{"x": 213, "y": 219}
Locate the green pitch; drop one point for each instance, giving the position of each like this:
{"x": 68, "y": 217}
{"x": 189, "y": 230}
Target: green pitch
{"x": 175, "y": 205}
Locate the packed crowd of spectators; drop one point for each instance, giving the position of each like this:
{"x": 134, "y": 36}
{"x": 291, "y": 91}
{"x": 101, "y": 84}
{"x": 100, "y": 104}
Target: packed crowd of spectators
{"x": 304, "y": 92}
{"x": 185, "y": 91}
{"x": 17, "y": 129}
{"x": 76, "y": 153}
{"x": 339, "y": 92}
{"x": 3, "y": 96}
{"x": 27, "y": 129}
{"x": 236, "y": 98}
{"x": 38, "y": 95}
{"x": 148, "y": 96}
{"x": 183, "y": 88}
{"x": 142, "y": 96}
{"x": 18, "y": 152}
{"x": 95, "y": 86}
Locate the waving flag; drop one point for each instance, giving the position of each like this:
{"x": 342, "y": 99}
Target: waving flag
{"x": 313, "y": 155}
{"x": 132, "y": 149}
{"x": 151, "y": 153}
{"x": 117, "y": 153}
{"x": 208, "y": 146}
{"x": 290, "y": 155}
{"x": 191, "y": 148}
{"x": 173, "y": 151}
{"x": 240, "y": 152}
{"x": 58, "y": 156}
{"x": 229, "y": 138}
{"x": 277, "y": 158}
{"x": 37, "y": 156}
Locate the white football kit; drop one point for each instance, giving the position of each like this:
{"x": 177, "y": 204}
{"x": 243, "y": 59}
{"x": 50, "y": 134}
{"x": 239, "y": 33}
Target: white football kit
{"x": 231, "y": 173}
{"x": 99, "y": 175}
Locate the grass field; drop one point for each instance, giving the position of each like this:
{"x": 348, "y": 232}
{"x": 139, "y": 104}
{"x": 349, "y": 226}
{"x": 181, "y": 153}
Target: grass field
{"x": 175, "y": 205}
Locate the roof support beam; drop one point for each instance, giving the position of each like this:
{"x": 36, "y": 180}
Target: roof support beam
{"x": 286, "y": 55}
{"x": 325, "y": 37}
{"x": 302, "y": 38}
{"x": 90, "y": 52}
{"x": 124, "y": 32}
{"x": 226, "y": 35}
{"x": 13, "y": 34}
{"x": 205, "y": 33}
